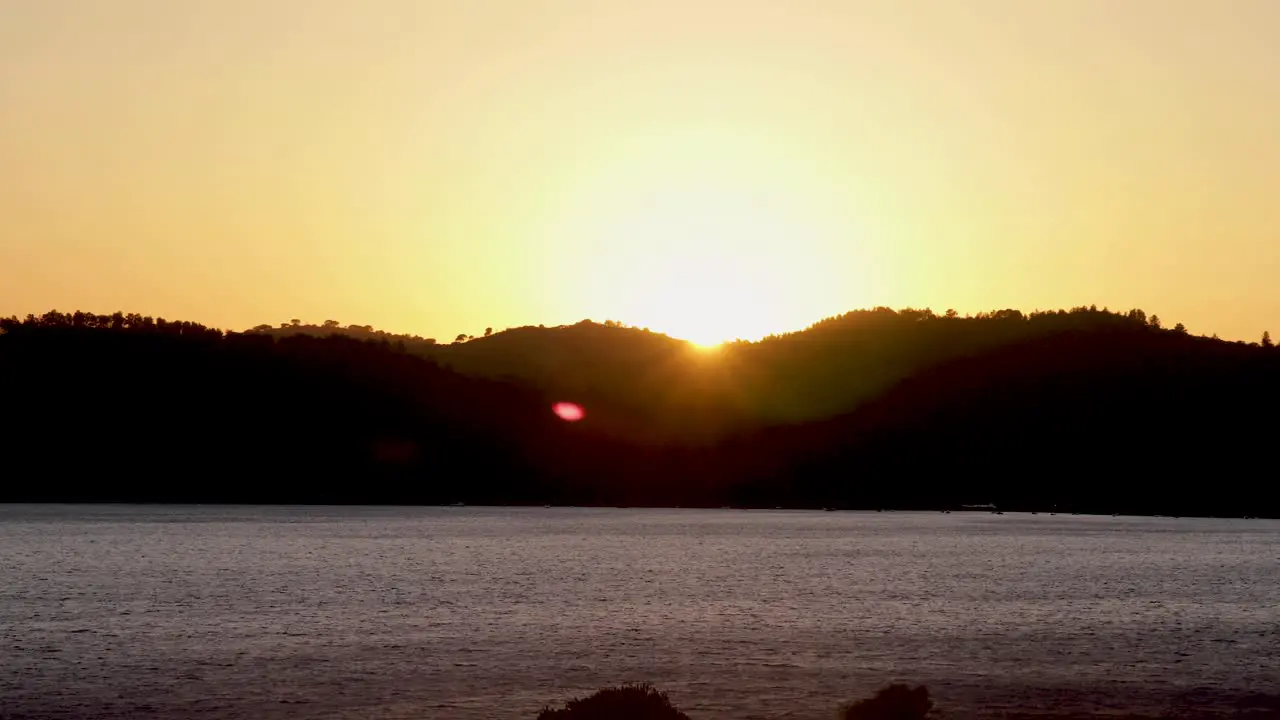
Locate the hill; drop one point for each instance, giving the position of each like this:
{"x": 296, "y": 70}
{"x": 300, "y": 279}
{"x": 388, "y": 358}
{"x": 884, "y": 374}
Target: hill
{"x": 639, "y": 385}
{"x": 130, "y": 408}
{"x": 647, "y": 385}
{"x": 1082, "y": 410}
{"x": 1118, "y": 420}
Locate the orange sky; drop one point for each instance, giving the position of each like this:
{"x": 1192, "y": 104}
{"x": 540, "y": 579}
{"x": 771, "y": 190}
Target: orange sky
{"x": 708, "y": 168}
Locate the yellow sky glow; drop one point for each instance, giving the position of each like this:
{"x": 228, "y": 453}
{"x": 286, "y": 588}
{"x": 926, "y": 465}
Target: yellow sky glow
{"x": 708, "y": 168}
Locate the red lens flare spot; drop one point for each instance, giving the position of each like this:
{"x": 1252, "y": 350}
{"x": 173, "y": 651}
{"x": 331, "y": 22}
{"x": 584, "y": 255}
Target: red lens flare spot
{"x": 569, "y": 412}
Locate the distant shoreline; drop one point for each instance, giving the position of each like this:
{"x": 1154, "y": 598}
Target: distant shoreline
{"x": 542, "y": 506}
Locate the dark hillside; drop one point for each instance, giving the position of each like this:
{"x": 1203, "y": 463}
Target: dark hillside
{"x": 1078, "y": 411}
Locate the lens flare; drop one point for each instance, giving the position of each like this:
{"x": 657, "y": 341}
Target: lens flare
{"x": 569, "y": 412}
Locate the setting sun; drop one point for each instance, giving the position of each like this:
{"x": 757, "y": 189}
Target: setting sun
{"x": 701, "y": 236}
{"x": 712, "y": 264}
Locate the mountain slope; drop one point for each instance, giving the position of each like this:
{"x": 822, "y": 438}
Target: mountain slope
{"x": 1082, "y": 411}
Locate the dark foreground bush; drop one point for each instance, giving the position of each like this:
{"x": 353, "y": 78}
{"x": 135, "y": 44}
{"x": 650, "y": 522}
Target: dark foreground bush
{"x": 895, "y": 702}
{"x": 629, "y": 702}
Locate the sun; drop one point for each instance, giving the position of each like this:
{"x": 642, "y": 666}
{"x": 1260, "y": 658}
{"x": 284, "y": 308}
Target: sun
{"x": 705, "y": 346}
{"x": 708, "y": 237}
{"x": 704, "y": 296}
{"x": 711, "y": 265}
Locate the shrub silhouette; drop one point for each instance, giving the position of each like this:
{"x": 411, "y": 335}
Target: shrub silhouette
{"x": 895, "y": 702}
{"x": 629, "y": 702}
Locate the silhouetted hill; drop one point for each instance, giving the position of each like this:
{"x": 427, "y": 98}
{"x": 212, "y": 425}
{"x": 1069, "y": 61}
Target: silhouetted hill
{"x": 652, "y": 386}
{"x": 1119, "y": 419}
{"x": 1083, "y": 410}
{"x": 132, "y": 408}
{"x": 639, "y": 385}
{"x": 841, "y": 362}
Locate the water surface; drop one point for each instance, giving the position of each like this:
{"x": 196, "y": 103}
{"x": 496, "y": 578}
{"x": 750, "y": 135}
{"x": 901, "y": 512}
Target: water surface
{"x": 470, "y": 613}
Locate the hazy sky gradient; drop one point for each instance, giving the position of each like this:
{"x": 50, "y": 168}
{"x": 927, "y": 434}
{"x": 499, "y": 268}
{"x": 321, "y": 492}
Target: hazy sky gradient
{"x": 439, "y": 166}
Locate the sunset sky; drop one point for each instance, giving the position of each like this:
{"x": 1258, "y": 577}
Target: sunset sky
{"x": 706, "y": 168}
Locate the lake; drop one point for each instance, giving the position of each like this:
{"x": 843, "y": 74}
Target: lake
{"x": 470, "y": 613}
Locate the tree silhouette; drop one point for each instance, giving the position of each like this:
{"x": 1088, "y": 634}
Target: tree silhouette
{"x": 488, "y": 331}
{"x": 814, "y": 418}
{"x": 629, "y": 702}
{"x": 1266, "y": 339}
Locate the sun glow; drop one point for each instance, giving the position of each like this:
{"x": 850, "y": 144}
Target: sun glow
{"x": 710, "y": 266}
{"x": 706, "y": 347}
{"x": 702, "y": 244}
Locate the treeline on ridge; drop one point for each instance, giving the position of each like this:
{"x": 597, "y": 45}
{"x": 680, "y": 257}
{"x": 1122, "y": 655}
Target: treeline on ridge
{"x": 663, "y": 389}
{"x": 1082, "y": 410}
